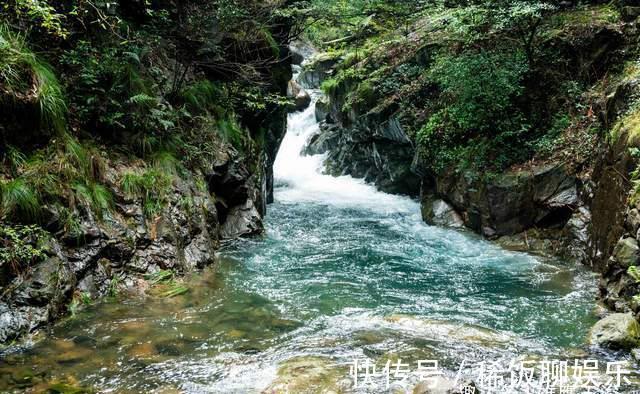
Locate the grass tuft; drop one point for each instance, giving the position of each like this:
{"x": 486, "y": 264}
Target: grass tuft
{"x": 151, "y": 185}
{"x": 95, "y": 196}
{"x": 20, "y": 201}
{"x": 24, "y": 74}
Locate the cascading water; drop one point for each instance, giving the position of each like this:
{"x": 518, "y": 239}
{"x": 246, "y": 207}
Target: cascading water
{"x": 345, "y": 272}
{"x": 302, "y": 180}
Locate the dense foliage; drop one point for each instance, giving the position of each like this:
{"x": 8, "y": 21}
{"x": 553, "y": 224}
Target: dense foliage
{"x": 477, "y": 84}
{"x": 165, "y": 82}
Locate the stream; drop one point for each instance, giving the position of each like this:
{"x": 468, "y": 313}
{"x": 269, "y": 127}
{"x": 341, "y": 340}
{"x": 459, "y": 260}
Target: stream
{"x": 343, "y": 273}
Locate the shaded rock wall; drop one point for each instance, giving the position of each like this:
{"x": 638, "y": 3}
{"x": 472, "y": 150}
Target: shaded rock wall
{"x": 117, "y": 252}
{"x": 371, "y": 145}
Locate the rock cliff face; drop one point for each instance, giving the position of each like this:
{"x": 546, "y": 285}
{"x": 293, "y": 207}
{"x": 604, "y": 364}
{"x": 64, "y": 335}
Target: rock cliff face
{"x": 371, "y": 145}
{"x": 116, "y": 253}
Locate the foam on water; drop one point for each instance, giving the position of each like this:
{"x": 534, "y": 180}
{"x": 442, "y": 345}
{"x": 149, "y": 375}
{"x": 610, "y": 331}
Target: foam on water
{"x": 300, "y": 179}
{"x": 304, "y": 182}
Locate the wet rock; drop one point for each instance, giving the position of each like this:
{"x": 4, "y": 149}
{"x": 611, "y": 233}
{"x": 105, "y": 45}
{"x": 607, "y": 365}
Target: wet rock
{"x": 300, "y": 51}
{"x": 50, "y": 279}
{"x": 633, "y": 221}
{"x": 616, "y": 331}
{"x": 243, "y": 220}
{"x": 374, "y": 150}
{"x": 629, "y": 13}
{"x": 322, "y": 109}
{"x": 509, "y": 203}
{"x": 438, "y": 329}
{"x": 14, "y": 322}
{"x": 437, "y": 212}
{"x": 532, "y": 241}
{"x": 317, "y": 70}
{"x": 300, "y": 96}
{"x": 443, "y": 385}
{"x": 199, "y": 253}
{"x": 576, "y": 234}
{"x": 322, "y": 142}
{"x": 308, "y": 375}
{"x": 627, "y": 252}
{"x": 228, "y": 180}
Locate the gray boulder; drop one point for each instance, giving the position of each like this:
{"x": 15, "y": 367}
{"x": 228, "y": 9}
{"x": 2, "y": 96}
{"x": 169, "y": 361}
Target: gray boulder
{"x": 439, "y": 213}
{"x": 323, "y": 109}
{"x": 243, "y": 220}
{"x": 301, "y": 98}
{"x": 627, "y": 252}
{"x": 616, "y": 331}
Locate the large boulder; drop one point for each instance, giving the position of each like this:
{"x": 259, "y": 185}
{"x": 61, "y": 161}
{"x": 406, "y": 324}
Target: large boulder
{"x": 318, "y": 69}
{"x": 616, "y": 331}
{"x": 509, "y": 203}
{"x": 439, "y": 213}
{"x": 300, "y": 51}
{"x": 243, "y": 220}
{"x": 301, "y": 98}
{"x": 322, "y": 142}
{"x": 627, "y": 252}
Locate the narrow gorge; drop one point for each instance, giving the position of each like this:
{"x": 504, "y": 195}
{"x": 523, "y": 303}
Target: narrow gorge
{"x": 238, "y": 197}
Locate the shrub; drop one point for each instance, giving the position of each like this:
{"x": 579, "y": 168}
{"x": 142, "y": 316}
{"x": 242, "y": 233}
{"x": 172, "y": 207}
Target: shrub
{"x": 478, "y": 124}
{"x": 479, "y": 88}
{"x": 21, "y": 246}
{"x": 22, "y": 72}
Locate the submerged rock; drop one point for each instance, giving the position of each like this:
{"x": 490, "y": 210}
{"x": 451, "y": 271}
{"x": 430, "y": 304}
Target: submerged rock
{"x": 443, "y": 385}
{"x": 437, "y": 329}
{"x": 616, "y": 331}
{"x": 309, "y": 375}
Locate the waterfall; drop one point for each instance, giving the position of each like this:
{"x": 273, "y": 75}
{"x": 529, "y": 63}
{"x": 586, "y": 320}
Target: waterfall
{"x": 300, "y": 178}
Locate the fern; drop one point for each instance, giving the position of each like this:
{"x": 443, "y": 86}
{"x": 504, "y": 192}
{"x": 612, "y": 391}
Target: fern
{"x": 143, "y": 100}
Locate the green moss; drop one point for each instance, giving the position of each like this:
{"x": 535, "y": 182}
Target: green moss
{"x": 629, "y": 125}
{"x": 588, "y": 16}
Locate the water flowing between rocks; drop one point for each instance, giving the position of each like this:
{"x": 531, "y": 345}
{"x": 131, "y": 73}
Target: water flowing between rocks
{"x": 344, "y": 272}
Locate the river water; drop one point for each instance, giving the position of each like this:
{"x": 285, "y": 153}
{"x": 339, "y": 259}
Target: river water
{"x": 344, "y": 272}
